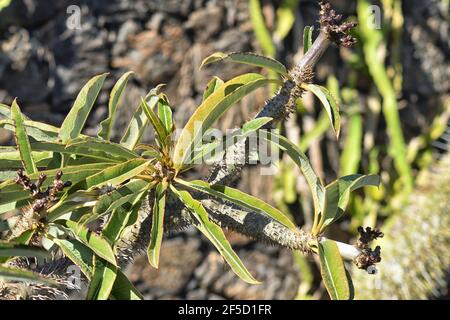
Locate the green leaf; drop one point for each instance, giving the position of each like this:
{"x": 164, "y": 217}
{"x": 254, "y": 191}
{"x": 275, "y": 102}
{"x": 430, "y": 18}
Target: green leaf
{"x": 10, "y": 158}
{"x": 95, "y": 242}
{"x": 114, "y": 98}
{"x": 337, "y": 195}
{"x": 78, "y": 149}
{"x": 329, "y": 103}
{"x": 123, "y": 289}
{"x": 247, "y": 58}
{"x": 211, "y": 110}
{"x": 212, "y": 86}
{"x": 90, "y": 146}
{"x": 157, "y": 233}
{"x": 37, "y": 130}
{"x": 102, "y": 280}
{"x": 165, "y": 115}
{"x": 13, "y": 249}
{"x": 285, "y": 18}
{"x": 307, "y": 38}
{"x": 22, "y": 139}
{"x": 315, "y": 184}
{"x": 241, "y": 199}
{"x": 138, "y": 122}
{"x": 333, "y": 271}
{"x": 161, "y": 133}
{"x": 114, "y": 175}
{"x": 75, "y": 119}
{"x": 215, "y": 234}
{"x": 260, "y": 29}
{"x": 15, "y": 274}
{"x": 78, "y": 253}
{"x": 122, "y": 217}
{"x": 123, "y": 194}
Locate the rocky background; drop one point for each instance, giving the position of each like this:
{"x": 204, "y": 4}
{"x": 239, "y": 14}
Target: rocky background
{"x": 44, "y": 62}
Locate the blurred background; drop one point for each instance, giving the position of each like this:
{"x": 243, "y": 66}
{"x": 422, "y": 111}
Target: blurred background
{"x": 393, "y": 88}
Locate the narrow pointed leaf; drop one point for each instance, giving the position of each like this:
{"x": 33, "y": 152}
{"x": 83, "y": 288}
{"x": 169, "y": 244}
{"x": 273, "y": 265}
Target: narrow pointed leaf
{"x": 333, "y": 271}
{"x": 247, "y": 58}
{"x": 123, "y": 194}
{"x": 211, "y": 110}
{"x": 122, "y": 217}
{"x": 165, "y": 115}
{"x": 114, "y": 99}
{"x": 91, "y": 150}
{"x": 22, "y": 141}
{"x": 95, "y": 242}
{"x": 78, "y": 114}
{"x": 138, "y": 122}
{"x": 102, "y": 280}
{"x": 241, "y": 199}
{"x": 88, "y": 146}
{"x": 78, "y": 253}
{"x": 157, "y": 224}
{"x": 215, "y": 234}
{"x": 212, "y": 86}
{"x": 113, "y": 175}
{"x": 161, "y": 133}
{"x": 337, "y": 195}
{"x": 37, "y": 130}
{"x": 329, "y": 103}
{"x": 123, "y": 289}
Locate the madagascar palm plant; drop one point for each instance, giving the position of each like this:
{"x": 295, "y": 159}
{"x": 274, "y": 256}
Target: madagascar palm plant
{"x": 92, "y": 202}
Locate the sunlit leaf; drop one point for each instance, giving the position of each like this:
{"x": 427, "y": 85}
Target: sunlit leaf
{"x": 123, "y": 289}
{"x": 157, "y": 232}
{"x": 241, "y": 199}
{"x": 212, "y": 86}
{"x": 113, "y": 175}
{"x": 95, "y": 242}
{"x": 337, "y": 195}
{"x": 211, "y": 110}
{"x": 333, "y": 271}
{"x": 114, "y": 98}
{"x": 329, "y": 103}
{"x": 215, "y": 234}
{"x": 161, "y": 133}
{"x": 165, "y": 115}
{"x": 138, "y": 122}
{"x": 22, "y": 139}
{"x": 78, "y": 114}
{"x": 247, "y": 58}
{"x": 102, "y": 280}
